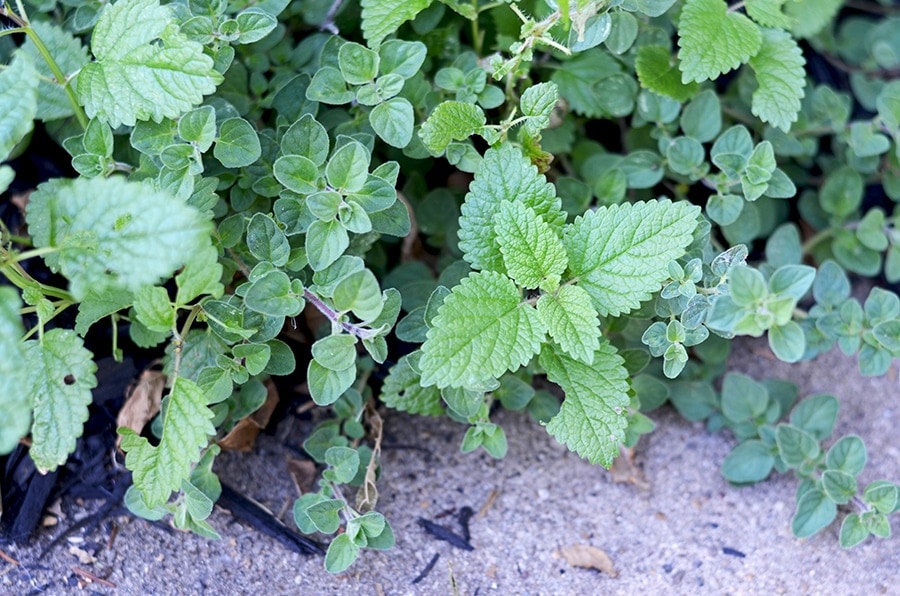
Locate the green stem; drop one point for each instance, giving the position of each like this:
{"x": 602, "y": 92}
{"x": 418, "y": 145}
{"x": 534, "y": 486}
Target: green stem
{"x": 179, "y": 341}
{"x": 814, "y": 241}
{"x": 477, "y": 35}
{"x": 19, "y": 278}
{"x": 36, "y": 252}
{"x": 60, "y": 77}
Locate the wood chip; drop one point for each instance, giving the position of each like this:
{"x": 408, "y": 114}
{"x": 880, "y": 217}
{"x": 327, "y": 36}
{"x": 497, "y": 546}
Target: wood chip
{"x": 142, "y": 401}
{"x": 591, "y": 557}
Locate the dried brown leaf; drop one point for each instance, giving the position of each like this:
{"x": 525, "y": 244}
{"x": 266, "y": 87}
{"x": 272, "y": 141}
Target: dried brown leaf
{"x": 142, "y": 400}
{"x": 243, "y": 436}
{"x": 625, "y": 470}
{"x": 303, "y": 472}
{"x": 583, "y": 555}
{"x": 367, "y": 496}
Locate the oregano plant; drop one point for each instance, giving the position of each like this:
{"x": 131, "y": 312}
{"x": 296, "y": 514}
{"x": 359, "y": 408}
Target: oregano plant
{"x": 563, "y": 207}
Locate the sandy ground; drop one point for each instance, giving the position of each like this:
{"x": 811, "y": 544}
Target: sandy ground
{"x": 689, "y": 532}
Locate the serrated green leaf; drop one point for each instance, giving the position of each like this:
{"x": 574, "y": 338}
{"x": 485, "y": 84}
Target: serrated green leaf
{"x": 620, "y": 253}
{"x": 159, "y": 470}
{"x": 714, "y": 40}
{"x": 202, "y": 274}
{"x": 504, "y": 175}
{"x": 237, "y": 145}
{"x": 13, "y": 401}
{"x": 482, "y": 329}
{"x": 592, "y": 419}
{"x": 380, "y": 18}
{"x": 658, "y": 71}
{"x": 393, "y": 121}
{"x": 174, "y": 74}
{"x": 451, "y": 121}
{"x": 97, "y": 305}
{"x": 779, "y": 71}
{"x": 113, "y": 234}
{"x": 153, "y": 308}
{"x": 70, "y": 55}
{"x": 537, "y": 103}
{"x": 403, "y": 391}
{"x": 572, "y": 322}
{"x": 532, "y": 252}
{"x": 18, "y": 102}
{"x": 768, "y": 13}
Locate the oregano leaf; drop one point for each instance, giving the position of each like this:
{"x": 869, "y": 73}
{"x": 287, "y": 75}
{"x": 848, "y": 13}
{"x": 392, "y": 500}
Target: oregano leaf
{"x": 60, "y": 374}
{"x": 159, "y": 470}
{"x": 482, "y": 329}
{"x": 714, "y": 40}
{"x": 592, "y": 419}
{"x": 779, "y": 71}
{"x": 572, "y": 322}
{"x": 620, "y": 253}
{"x": 504, "y": 175}
{"x": 532, "y": 252}
{"x": 138, "y": 40}
{"x": 380, "y": 18}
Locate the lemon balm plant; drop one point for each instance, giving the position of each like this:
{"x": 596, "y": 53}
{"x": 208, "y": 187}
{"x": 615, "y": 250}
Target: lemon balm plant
{"x": 599, "y": 193}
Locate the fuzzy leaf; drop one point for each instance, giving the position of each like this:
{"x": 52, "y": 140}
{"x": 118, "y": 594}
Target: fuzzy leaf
{"x": 768, "y": 13}
{"x": 380, "y": 18}
{"x": 621, "y": 253}
{"x": 713, "y": 41}
{"x": 70, "y": 56}
{"x": 136, "y": 78}
{"x": 811, "y": 16}
{"x": 112, "y": 233}
{"x": 18, "y": 102}
{"x": 13, "y": 401}
{"x": 504, "y": 175}
{"x": 532, "y": 252}
{"x": 483, "y": 329}
{"x": 451, "y": 121}
{"x": 572, "y": 322}
{"x": 779, "y": 71}
{"x": 592, "y": 419}
{"x": 60, "y": 378}
{"x": 186, "y": 426}
{"x": 537, "y": 103}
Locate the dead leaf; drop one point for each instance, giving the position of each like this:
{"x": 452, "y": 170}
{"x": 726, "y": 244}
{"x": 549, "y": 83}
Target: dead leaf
{"x": 492, "y": 498}
{"x": 84, "y": 557}
{"x": 142, "y": 401}
{"x": 367, "y": 496}
{"x": 303, "y": 473}
{"x": 624, "y": 469}
{"x": 583, "y": 555}
{"x": 243, "y": 436}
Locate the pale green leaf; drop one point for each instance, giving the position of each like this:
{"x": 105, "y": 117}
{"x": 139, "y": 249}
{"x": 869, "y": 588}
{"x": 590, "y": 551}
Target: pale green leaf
{"x": 572, "y": 322}
{"x": 60, "y": 378}
{"x": 186, "y": 426}
{"x": 112, "y": 233}
{"x": 581, "y": 79}
{"x": 70, "y": 56}
{"x": 380, "y": 18}
{"x": 97, "y": 305}
{"x": 592, "y": 419}
{"x": 620, "y": 253}
{"x": 483, "y": 329}
{"x": 18, "y": 102}
{"x": 14, "y": 402}
{"x": 144, "y": 68}
{"x": 768, "y": 13}
{"x": 532, "y": 252}
{"x": 153, "y": 308}
{"x": 504, "y": 175}
{"x": 537, "y": 103}
{"x": 779, "y": 71}
{"x": 451, "y": 121}
{"x": 713, "y": 40}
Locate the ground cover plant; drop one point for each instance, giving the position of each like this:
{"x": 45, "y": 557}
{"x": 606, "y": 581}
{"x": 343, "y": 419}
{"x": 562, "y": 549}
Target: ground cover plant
{"x": 448, "y": 207}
